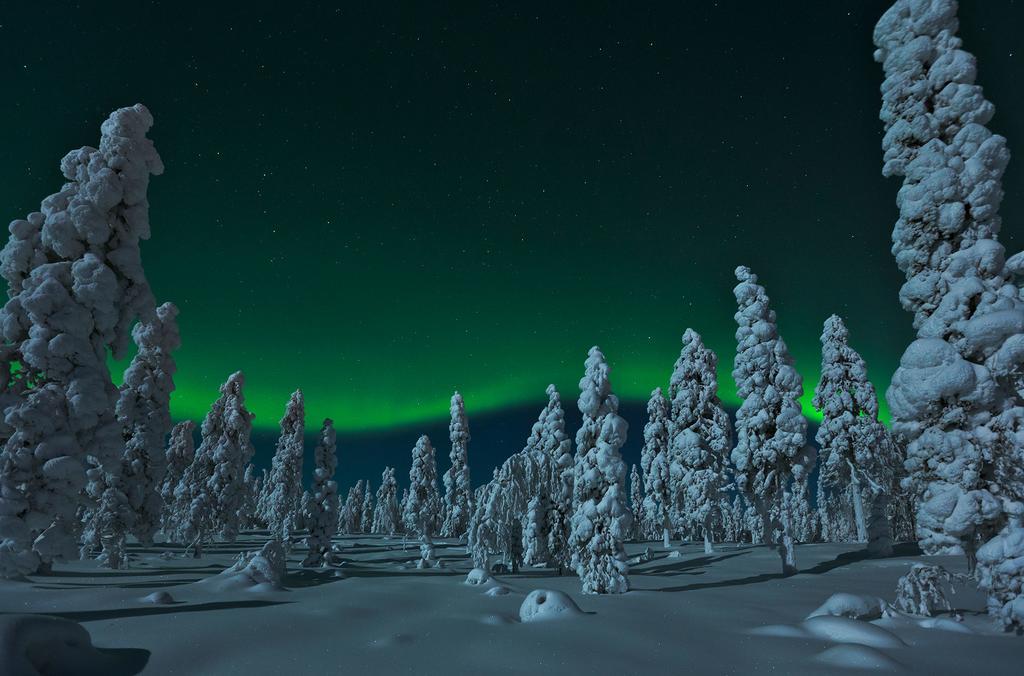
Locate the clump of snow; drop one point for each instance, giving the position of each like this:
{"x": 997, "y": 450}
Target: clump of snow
{"x": 477, "y": 576}
{"x": 547, "y": 604}
{"x": 1001, "y": 575}
{"x": 675, "y": 554}
{"x": 845, "y": 630}
{"x": 499, "y": 590}
{"x": 37, "y": 645}
{"x": 852, "y": 606}
{"x": 945, "y": 624}
{"x": 921, "y": 591}
{"x": 160, "y": 598}
{"x": 253, "y": 571}
{"x": 853, "y": 656}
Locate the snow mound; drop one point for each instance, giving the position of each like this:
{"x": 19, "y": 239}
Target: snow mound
{"x": 944, "y": 624}
{"x": 853, "y": 656}
{"x": 38, "y": 645}
{"x": 500, "y": 590}
{"x": 780, "y": 631}
{"x": 497, "y": 620}
{"x": 260, "y": 571}
{"x": 853, "y": 606}
{"x": 675, "y": 554}
{"x": 159, "y": 598}
{"x": 478, "y": 576}
{"x": 547, "y": 604}
{"x": 845, "y": 630}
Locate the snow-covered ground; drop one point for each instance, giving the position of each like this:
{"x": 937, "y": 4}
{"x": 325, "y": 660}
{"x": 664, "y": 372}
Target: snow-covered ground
{"x": 724, "y": 613}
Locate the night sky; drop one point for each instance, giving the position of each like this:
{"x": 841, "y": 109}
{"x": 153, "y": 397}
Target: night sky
{"x": 383, "y": 204}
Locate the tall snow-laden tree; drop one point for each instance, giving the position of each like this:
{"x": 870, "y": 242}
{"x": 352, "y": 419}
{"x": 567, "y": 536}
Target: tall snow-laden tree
{"x": 211, "y": 491}
{"x": 424, "y": 505}
{"x": 854, "y": 446}
{"x": 535, "y": 532}
{"x": 654, "y": 461}
{"x": 181, "y": 451}
{"x": 457, "y": 488}
{"x": 699, "y": 433}
{"x": 497, "y": 525}
{"x": 144, "y": 410}
{"x": 636, "y": 502}
{"x": 75, "y": 286}
{"x": 285, "y": 491}
{"x": 322, "y": 519}
{"x": 351, "y": 517}
{"x": 602, "y": 520}
{"x": 366, "y": 516}
{"x": 956, "y": 399}
{"x": 770, "y": 427}
{"x": 549, "y": 444}
{"x": 247, "y": 513}
{"x": 386, "y": 517}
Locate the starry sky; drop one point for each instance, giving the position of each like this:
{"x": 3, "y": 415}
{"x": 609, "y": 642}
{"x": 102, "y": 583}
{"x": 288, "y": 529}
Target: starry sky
{"x": 384, "y": 202}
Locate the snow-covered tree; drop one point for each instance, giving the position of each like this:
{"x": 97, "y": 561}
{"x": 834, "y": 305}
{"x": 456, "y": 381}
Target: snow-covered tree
{"x": 699, "y": 434}
{"x": 854, "y": 446}
{"x": 654, "y": 461}
{"x": 551, "y": 448}
{"x": 322, "y": 518}
{"x": 1001, "y": 575}
{"x": 75, "y": 286}
{"x": 181, "y": 451}
{"x": 366, "y": 516}
{"x": 497, "y": 524}
{"x": 424, "y": 505}
{"x": 457, "y": 488}
{"x": 386, "y": 517}
{"x": 144, "y": 410}
{"x": 250, "y": 495}
{"x": 352, "y": 512}
{"x": 602, "y": 520}
{"x": 636, "y": 502}
{"x": 286, "y": 473}
{"x": 210, "y": 493}
{"x": 770, "y": 427}
{"x": 535, "y": 535}
{"x": 956, "y": 399}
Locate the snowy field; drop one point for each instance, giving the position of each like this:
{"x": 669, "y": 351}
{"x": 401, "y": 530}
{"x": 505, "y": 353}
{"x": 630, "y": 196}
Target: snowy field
{"x": 725, "y": 613}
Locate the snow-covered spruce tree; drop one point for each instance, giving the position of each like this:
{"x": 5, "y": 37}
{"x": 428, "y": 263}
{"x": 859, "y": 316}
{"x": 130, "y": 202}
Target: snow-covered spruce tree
{"x": 322, "y": 519}
{"x": 497, "y": 525}
{"x": 144, "y": 411}
{"x": 770, "y": 428}
{"x": 602, "y": 520}
{"x": 211, "y": 491}
{"x": 386, "y": 517}
{"x": 247, "y": 513}
{"x": 1000, "y": 561}
{"x": 654, "y": 461}
{"x": 854, "y": 446}
{"x": 75, "y": 286}
{"x": 366, "y": 516}
{"x": 535, "y": 535}
{"x": 699, "y": 434}
{"x": 181, "y": 451}
{"x": 285, "y": 491}
{"x": 424, "y": 505}
{"x": 956, "y": 399}
{"x": 403, "y": 510}
{"x": 263, "y": 498}
{"x": 351, "y": 517}
{"x": 636, "y": 502}
{"x": 457, "y": 488}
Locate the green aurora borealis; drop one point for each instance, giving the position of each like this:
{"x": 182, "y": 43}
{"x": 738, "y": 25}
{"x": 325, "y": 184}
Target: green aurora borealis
{"x": 382, "y": 205}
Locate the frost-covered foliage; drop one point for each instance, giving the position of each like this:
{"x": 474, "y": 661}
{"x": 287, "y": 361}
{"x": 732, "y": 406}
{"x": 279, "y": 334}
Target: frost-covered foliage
{"x": 771, "y": 431}
{"x": 854, "y": 446}
{"x": 956, "y": 397}
{"x": 366, "y": 516}
{"x": 285, "y": 491}
{"x": 497, "y": 525}
{"x": 254, "y": 571}
{"x": 181, "y": 451}
{"x": 209, "y": 496}
{"x": 803, "y": 518}
{"x": 75, "y": 285}
{"x": 535, "y": 536}
{"x": 350, "y": 520}
{"x": 423, "y": 509}
{"x": 250, "y": 496}
{"x": 550, "y": 444}
{"x": 922, "y": 590}
{"x": 133, "y": 504}
{"x": 385, "y": 513}
{"x": 602, "y": 520}
{"x": 659, "y": 491}
{"x": 700, "y": 435}
{"x": 636, "y": 501}
{"x": 457, "y": 488}
{"x": 322, "y": 518}
{"x": 1001, "y": 575}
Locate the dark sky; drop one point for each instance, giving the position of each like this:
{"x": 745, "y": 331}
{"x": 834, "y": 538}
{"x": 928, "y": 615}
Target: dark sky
{"x": 381, "y": 203}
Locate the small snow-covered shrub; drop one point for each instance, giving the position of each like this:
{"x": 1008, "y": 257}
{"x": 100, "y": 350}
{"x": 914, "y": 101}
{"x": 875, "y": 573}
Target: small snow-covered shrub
{"x": 160, "y": 598}
{"x": 477, "y": 576}
{"x": 1001, "y": 576}
{"x": 256, "y": 571}
{"x": 547, "y": 604}
{"x": 853, "y": 606}
{"x": 921, "y": 591}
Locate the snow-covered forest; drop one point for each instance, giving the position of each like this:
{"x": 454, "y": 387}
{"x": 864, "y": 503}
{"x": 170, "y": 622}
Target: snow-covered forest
{"x": 98, "y": 483}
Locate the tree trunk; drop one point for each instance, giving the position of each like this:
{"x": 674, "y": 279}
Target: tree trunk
{"x": 858, "y": 508}
{"x": 665, "y": 537}
{"x": 785, "y": 542}
{"x": 708, "y": 546}
{"x": 879, "y": 530}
